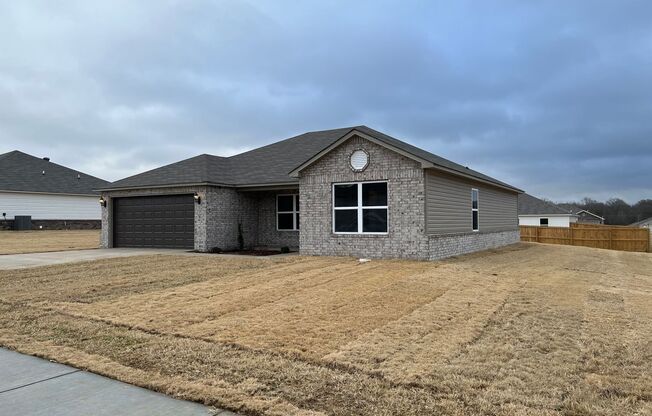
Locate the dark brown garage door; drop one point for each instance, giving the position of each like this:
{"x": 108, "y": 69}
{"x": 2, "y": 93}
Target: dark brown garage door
{"x": 154, "y": 221}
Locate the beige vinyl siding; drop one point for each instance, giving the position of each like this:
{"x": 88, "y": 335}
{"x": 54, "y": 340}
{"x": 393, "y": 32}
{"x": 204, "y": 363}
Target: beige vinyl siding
{"x": 448, "y": 205}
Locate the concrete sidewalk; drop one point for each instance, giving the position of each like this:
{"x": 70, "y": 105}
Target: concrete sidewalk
{"x": 20, "y": 261}
{"x": 30, "y": 386}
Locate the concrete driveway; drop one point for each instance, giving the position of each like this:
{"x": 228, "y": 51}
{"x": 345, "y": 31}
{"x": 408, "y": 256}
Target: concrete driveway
{"x": 20, "y": 261}
{"x": 30, "y": 386}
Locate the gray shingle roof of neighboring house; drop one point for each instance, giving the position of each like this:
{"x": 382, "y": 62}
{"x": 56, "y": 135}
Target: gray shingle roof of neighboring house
{"x": 588, "y": 212}
{"x": 272, "y": 164}
{"x": 577, "y": 210}
{"x": 20, "y": 172}
{"x": 530, "y": 205}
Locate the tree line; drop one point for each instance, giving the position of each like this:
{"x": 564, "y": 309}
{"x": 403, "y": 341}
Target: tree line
{"x": 615, "y": 211}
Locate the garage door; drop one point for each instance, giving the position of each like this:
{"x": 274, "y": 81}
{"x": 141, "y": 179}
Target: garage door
{"x": 154, "y": 221}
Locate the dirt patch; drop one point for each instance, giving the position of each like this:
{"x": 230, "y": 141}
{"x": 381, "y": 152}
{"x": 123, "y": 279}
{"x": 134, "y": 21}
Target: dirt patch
{"x": 17, "y": 242}
{"x": 532, "y": 329}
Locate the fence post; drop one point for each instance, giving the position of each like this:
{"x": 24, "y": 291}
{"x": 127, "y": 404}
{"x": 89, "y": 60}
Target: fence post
{"x": 572, "y": 243}
{"x": 537, "y": 236}
{"x": 611, "y": 230}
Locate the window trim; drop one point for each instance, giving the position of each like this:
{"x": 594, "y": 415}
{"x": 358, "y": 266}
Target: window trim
{"x": 294, "y": 212}
{"x": 359, "y": 208}
{"x": 475, "y": 230}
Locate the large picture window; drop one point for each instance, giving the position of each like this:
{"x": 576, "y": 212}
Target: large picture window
{"x": 475, "y": 219}
{"x": 287, "y": 212}
{"x": 360, "y": 208}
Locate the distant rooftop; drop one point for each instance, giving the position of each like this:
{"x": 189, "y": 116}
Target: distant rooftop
{"x": 641, "y": 222}
{"x": 21, "y": 172}
{"x": 530, "y": 205}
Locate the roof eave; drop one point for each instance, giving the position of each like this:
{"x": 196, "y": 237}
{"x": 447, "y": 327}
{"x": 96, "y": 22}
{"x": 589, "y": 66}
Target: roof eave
{"x": 476, "y": 179}
{"x": 189, "y": 184}
{"x": 48, "y": 193}
{"x": 170, "y": 185}
{"x": 547, "y": 215}
{"x": 268, "y": 186}
{"x": 590, "y": 213}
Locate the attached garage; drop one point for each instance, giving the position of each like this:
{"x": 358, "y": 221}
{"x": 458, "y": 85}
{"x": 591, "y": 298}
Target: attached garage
{"x": 166, "y": 221}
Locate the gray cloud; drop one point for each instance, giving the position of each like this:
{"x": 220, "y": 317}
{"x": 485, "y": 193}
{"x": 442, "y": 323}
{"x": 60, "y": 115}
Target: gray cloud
{"x": 554, "y": 97}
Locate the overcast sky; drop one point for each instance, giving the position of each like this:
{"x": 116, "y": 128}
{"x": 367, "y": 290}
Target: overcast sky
{"x": 555, "y": 98}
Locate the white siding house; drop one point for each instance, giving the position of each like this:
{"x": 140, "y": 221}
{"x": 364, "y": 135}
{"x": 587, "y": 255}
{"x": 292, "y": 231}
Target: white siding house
{"x": 551, "y": 220}
{"x": 53, "y": 195}
{"x": 50, "y": 206}
{"x": 540, "y": 213}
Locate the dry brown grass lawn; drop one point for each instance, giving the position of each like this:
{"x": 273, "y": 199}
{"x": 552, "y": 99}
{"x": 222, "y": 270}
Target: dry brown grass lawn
{"x": 528, "y": 330}
{"x": 15, "y": 242}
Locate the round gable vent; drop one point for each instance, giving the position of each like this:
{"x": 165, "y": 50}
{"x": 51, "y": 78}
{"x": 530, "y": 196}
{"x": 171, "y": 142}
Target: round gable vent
{"x": 359, "y": 160}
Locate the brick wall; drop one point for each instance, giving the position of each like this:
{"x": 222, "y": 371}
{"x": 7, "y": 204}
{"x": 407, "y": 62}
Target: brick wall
{"x": 406, "y": 236}
{"x": 255, "y": 210}
{"x": 225, "y": 209}
{"x": 442, "y": 246}
{"x": 268, "y": 235}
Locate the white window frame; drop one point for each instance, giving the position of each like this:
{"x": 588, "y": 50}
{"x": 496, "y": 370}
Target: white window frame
{"x": 360, "y": 208}
{"x": 294, "y": 212}
{"x": 475, "y": 209}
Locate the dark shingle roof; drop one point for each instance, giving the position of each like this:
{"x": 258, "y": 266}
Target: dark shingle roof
{"x": 433, "y": 158}
{"x": 272, "y": 164}
{"x": 264, "y": 165}
{"x": 530, "y": 205}
{"x": 199, "y": 169}
{"x": 24, "y": 173}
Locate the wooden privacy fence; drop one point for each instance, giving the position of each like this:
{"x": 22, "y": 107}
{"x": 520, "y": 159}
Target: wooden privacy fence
{"x": 613, "y": 238}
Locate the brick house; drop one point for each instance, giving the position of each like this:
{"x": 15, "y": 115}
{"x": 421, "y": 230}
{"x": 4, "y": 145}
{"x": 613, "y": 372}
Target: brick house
{"x": 351, "y": 191}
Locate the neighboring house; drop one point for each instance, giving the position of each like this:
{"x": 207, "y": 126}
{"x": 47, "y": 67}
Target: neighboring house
{"x": 583, "y": 216}
{"x": 54, "y": 196}
{"x": 587, "y": 217}
{"x": 646, "y": 223}
{"x": 350, "y": 191}
{"x": 535, "y": 211}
